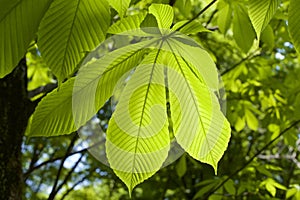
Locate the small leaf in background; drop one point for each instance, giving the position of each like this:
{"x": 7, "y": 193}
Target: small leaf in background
{"x": 294, "y": 25}
{"x": 185, "y": 7}
{"x": 261, "y": 12}
{"x": 240, "y": 124}
{"x": 229, "y": 187}
{"x": 267, "y": 36}
{"x": 120, "y": 6}
{"x": 224, "y": 16}
{"x": 243, "y": 31}
{"x": 181, "y": 166}
{"x": 271, "y": 188}
{"x": 251, "y": 120}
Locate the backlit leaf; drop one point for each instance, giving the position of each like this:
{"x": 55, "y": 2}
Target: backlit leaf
{"x": 69, "y": 29}
{"x": 261, "y": 12}
{"x": 120, "y": 6}
{"x": 294, "y": 25}
{"x": 19, "y": 22}
{"x": 243, "y": 31}
{"x": 163, "y": 13}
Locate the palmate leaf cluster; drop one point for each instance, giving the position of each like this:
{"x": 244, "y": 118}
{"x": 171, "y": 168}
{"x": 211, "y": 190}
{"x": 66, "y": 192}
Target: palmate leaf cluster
{"x": 148, "y": 116}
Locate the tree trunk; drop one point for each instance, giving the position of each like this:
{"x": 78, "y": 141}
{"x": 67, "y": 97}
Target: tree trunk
{"x": 15, "y": 110}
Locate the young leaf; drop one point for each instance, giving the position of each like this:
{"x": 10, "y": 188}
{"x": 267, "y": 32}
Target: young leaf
{"x": 137, "y": 137}
{"x": 120, "y": 6}
{"x": 68, "y": 30}
{"x": 19, "y": 21}
{"x": 294, "y": 25}
{"x": 243, "y": 31}
{"x": 261, "y": 12}
{"x": 163, "y": 13}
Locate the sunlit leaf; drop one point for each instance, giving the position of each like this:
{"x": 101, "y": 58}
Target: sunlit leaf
{"x": 163, "y": 13}
{"x": 251, "y": 120}
{"x": 120, "y": 6}
{"x": 294, "y": 25}
{"x": 198, "y": 124}
{"x": 69, "y": 29}
{"x": 75, "y": 101}
{"x": 261, "y": 12}
{"x": 137, "y": 137}
{"x": 19, "y": 21}
{"x": 224, "y": 16}
{"x": 243, "y": 31}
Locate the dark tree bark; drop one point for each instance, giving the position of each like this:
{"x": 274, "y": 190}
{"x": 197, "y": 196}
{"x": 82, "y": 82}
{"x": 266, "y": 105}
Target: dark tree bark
{"x": 15, "y": 110}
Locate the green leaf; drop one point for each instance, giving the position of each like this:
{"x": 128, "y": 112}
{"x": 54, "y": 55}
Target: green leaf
{"x": 126, "y": 24}
{"x": 224, "y": 16}
{"x": 181, "y": 167}
{"x": 294, "y": 25}
{"x": 69, "y": 29}
{"x": 191, "y": 28}
{"x": 19, "y": 21}
{"x": 229, "y": 186}
{"x": 137, "y": 138}
{"x": 267, "y": 36}
{"x": 65, "y": 110}
{"x": 198, "y": 124}
{"x": 270, "y": 188}
{"x": 240, "y": 124}
{"x": 120, "y": 6}
{"x": 251, "y": 120}
{"x": 191, "y": 51}
{"x": 53, "y": 115}
{"x": 261, "y": 12}
{"x": 185, "y": 7}
{"x": 206, "y": 188}
{"x": 243, "y": 31}
{"x": 163, "y": 13}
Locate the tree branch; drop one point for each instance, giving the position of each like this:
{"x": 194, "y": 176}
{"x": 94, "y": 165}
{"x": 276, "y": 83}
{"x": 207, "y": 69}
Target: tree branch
{"x": 69, "y": 175}
{"x": 73, "y": 187}
{"x": 43, "y": 89}
{"x": 71, "y": 145}
{"x": 249, "y": 57}
{"x": 196, "y": 16}
{"x": 252, "y": 158}
{"x": 30, "y": 170}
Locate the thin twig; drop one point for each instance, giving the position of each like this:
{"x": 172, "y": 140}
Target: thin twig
{"x": 73, "y": 187}
{"x": 249, "y": 57}
{"x": 196, "y": 16}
